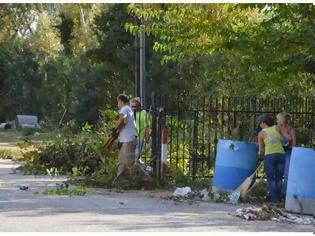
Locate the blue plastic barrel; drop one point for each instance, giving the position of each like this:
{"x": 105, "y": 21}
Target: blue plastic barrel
{"x": 300, "y": 196}
{"x": 235, "y": 161}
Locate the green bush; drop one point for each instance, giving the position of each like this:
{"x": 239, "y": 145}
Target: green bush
{"x": 303, "y": 136}
{"x": 76, "y": 154}
{"x": 32, "y": 164}
{"x": 181, "y": 179}
{"x": 184, "y": 153}
{"x": 24, "y": 144}
{"x": 106, "y": 171}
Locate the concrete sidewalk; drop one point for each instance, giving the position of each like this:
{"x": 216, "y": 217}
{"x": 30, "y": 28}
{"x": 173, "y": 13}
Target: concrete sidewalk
{"x": 103, "y": 210}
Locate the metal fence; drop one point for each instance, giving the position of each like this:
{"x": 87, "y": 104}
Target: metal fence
{"x": 195, "y": 123}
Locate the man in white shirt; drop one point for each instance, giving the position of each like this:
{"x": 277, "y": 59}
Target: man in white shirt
{"x": 126, "y": 126}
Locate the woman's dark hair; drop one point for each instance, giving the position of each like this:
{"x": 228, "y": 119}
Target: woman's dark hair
{"x": 124, "y": 98}
{"x": 265, "y": 118}
{"x": 269, "y": 121}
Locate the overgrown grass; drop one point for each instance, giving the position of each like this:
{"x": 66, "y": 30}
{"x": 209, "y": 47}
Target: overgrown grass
{"x": 14, "y": 143}
{"x": 10, "y": 136}
{"x": 12, "y": 154}
{"x": 15, "y": 136}
{"x": 65, "y": 190}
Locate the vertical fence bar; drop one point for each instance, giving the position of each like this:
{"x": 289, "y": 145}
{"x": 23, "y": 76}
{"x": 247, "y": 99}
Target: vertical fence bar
{"x": 209, "y": 135}
{"x": 304, "y": 114}
{"x": 195, "y": 145}
{"x": 203, "y": 134}
{"x": 290, "y": 110}
{"x": 253, "y": 127}
{"x": 313, "y": 120}
{"x": 190, "y": 137}
{"x": 154, "y": 134}
{"x": 229, "y": 112}
{"x": 159, "y": 143}
{"x": 184, "y": 134}
{"x": 216, "y": 125}
{"x": 307, "y": 110}
{"x": 184, "y": 143}
{"x": 296, "y": 109}
{"x": 274, "y": 108}
{"x": 171, "y": 135}
{"x": 177, "y": 129}
{"x": 235, "y": 108}
{"x": 222, "y": 117}
{"x": 311, "y": 114}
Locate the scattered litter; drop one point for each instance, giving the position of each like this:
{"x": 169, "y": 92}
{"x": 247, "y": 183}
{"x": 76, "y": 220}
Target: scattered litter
{"x": 272, "y": 213}
{"x": 23, "y": 187}
{"x": 295, "y": 219}
{"x": 254, "y": 213}
{"x": 234, "y": 197}
{"x": 204, "y": 195}
{"x": 186, "y": 195}
{"x": 218, "y": 196}
{"x": 181, "y": 191}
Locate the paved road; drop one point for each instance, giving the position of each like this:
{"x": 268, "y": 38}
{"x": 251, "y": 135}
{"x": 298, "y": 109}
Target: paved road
{"x": 103, "y": 210}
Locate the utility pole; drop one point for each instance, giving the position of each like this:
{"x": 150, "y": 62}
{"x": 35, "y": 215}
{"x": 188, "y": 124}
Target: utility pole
{"x": 137, "y": 66}
{"x": 142, "y": 70}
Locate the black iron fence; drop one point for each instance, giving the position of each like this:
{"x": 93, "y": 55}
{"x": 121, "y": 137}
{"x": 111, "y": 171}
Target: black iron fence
{"x": 195, "y": 123}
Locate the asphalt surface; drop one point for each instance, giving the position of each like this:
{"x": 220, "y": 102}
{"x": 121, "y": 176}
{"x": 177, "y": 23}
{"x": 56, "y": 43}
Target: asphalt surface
{"x": 105, "y": 210}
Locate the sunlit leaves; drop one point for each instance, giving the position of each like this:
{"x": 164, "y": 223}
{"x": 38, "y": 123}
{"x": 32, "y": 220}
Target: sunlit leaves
{"x": 261, "y": 45}
{"x": 45, "y": 41}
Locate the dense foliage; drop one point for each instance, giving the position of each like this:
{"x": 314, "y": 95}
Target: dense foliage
{"x": 80, "y": 56}
{"x": 75, "y": 154}
{"x": 260, "y": 50}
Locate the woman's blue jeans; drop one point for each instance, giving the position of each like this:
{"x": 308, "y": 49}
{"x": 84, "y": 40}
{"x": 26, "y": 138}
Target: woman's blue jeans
{"x": 287, "y": 157}
{"x": 274, "y": 169}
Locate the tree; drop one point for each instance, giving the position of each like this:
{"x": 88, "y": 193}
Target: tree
{"x": 115, "y": 48}
{"x": 76, "y": 26}
{"x": 243, "y": 49}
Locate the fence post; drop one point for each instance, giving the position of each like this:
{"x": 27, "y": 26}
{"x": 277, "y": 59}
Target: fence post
{"x": 164, "y": 134}
{"x": 195, "y": 145}
{"x": 159, "y": 145}
{"x": 154, "y": 134}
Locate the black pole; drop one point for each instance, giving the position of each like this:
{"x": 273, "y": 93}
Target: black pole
{"x": 142, "y": 70}
{"x": 137, "y": 66}
{"x": 154, "y": 133}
